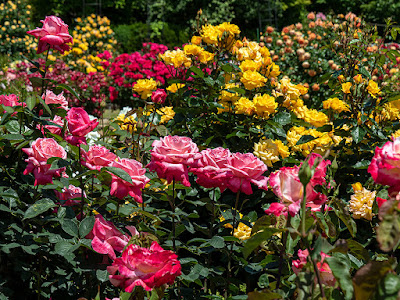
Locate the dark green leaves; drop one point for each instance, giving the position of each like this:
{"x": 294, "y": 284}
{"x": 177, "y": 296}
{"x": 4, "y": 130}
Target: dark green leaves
{"x": 38, "y": 208}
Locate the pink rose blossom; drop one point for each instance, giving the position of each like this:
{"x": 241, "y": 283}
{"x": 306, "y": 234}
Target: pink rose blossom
{"x": 121, "y": 188}
{"x": 385, "y": 165}
{"x": 54, "y": 33}
{"x": 210, "y": 167}
{"x": 246, "y": 169}
{"x": 146, "y": 267}
{"x": 11, "y": 101}
{"x": 79, "y": 123}
{"x": 50, "y": 98}
{"x": 69, "y": 194}
{"x": 286, "y": 185}
{"x": 97, "y": 157}
{"x": 41, "y": 150}
{"x": 56, "y": 128}
{"x": 106, "y": 238}
{"x": 159, "y": 96}
{"x": 171, "y": 156}
{"x": 325, "y": 271}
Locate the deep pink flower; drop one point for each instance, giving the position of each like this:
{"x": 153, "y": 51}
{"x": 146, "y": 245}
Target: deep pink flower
{"x": 106, "y": 238}
{"x": 146, "y": 267}
{"x": 50, "y": 98}
{"x": 159, "y": 96}
{"x": 210, "y": 167}
{"x": 54, "y": 129}
{"x": 97, "y": 157}
{"x": 246, "y": 169}
{"x": 171, "y": 156}
{"x": 121, "y": 188}
{"x": 69, "y": 194}
{"x": 10, "y": 100}
{"x": 325, "y": 271}
{"x": 79, "y": 123}
{"x": 54, "y": 33}
{"x": 385, "y": 165}
{"x": 41, "y": 150}
{"x": 286, "y": 185}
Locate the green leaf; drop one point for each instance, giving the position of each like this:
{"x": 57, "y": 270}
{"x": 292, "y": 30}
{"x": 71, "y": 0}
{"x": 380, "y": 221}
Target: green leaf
{"x": 388, "y": 232}
{"x": 102, "y": 275}
{"x": 283, "y": 118}
{"x": 253, "y": 242}
{"x": 119, "y": 173}
{"x": 30, "y": 102}
{"x": 361, "y": 165}
{"x": 70, "y": 89}
{"x": 264, "y": 295}
{"x": 305, "y": 139}
{"x": 12, "y": 137}
{"x": 325, "y": 128}
{"x": 393, "y": 98}
{"x": 358, "y": 134}
{"x": 217, "y": 242}
{"x": 343, "y": 213}
{"x": 70, "y": 227}
{"x": 367, "y": 278}
{"x": 209, "y": 81}
{"x": 64, "y": 247}
{"x": 38, "y": 208}
{"x": 340, "y": 266}
{"x": 389, "y": 287}
{"x": 86, "y": 226}
{"x": 196, "y": 71}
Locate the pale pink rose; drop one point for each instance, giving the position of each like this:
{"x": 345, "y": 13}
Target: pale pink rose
{"x": 210, "y": 167}
{"x": 286, "y": 185}
{"x": 54, "y": 34}
{"x": 325, "y": 271}
{"x": 171, "y": 156}
{"x": 69, "y": 194}
{"x": 121, "y": 188}
{"x": 159, "y": 96}
{"x": 79, "y": 123}
{"x": 40, "y": 151}
{"x": 54, "y": 129}
{"x": 97, "y": 157}
{"x": 246, "y": 169}
{"x": 106, "y": 238}
{"x": 146, "y": 267}
{"x": 50, "y": 98}
{"x": 385, "y": 165}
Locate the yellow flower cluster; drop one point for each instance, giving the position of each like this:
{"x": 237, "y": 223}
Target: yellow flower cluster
{"x": 223, "y": 35}
{"x": 198, "y": 52}
{"x": 128, "y": 123}
{"x": 92, "y": 35}
{"x": 361, "y": 203}
{"x": 373, "y": 88}
{"x": 167, "y": 113}
{"x": 270, "y": 151}
{"x": 320, "y": 144}
{"x": 336, "y": 105}
{"x": 242, "y": 231}
{"x": 176, "y": 58}
{"x": 145, "y": 87}
{"x": 173, "y": 88}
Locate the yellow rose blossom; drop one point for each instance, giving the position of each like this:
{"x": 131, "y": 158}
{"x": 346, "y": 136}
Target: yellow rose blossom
{"x": 173, "y": 88}
{"x": 320, "y": 144}
{"x": 336, "y": 105}
{"x": 361, "y": 204}
{"x": 167, "y": 113}
{"x": 205, "y": 57}
{"x": 315, "y": 118}
{"x": 270, "y": 150}
{"x": 145, "y": 87}
{"x": 373, "y": 88}
{"x": 177, "y": 58}
{"x": 346, "y": 87}
{"x": 242, "y": 231}
{"x": 358, "y": 79}
{"x": 388, "y": 113}
{"x": 232, "y": 29}
{"x": 249, "y": 65}
{"x": 210, "y": 34}
{"x": 244, "y": 106}
{"x": 252, "y": 80}
{"x": 196, "y": 40}
{"x": 226, "y": 96}
{"x": 128, "y": 123}
{"x": 91, "y": 70}
{"x": 272, "y": 71}
{"x": 192, "y": 50}
{"x": 265, "y": 105}
{"x": 357, "y": 187}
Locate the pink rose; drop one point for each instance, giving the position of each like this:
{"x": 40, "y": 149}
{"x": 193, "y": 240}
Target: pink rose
{"x": 10, "y": 100}
{"x": 97, "y": 157}
{"x": 69, "y": 194}
{"x": 146, "y": 267}
{"x": 159, "y": 96}
{"x": 286, "y": 185}
{"x": 210, "y": 167}
{"x": 50, "y": 98}
{"x": 106, "y": 238}
{"x": 385, "y": 165}
{"x": 246, "y": 169}
{"x": 41, "y": 150}
{"x": 54, "y": 33}
{"x": 79, "y": 125}
{"x": 56, "y": 128}
{"x": 325, "y": 271}
{"x": 171, "y": 156}
{"x": 121, "y": 188}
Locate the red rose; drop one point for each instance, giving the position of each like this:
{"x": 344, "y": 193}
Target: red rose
{"x": 159, "y": 96}
{"x": 147, "y": 267}
{"x": 54, "y": 33}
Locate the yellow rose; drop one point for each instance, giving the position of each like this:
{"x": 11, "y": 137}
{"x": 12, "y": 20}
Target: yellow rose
{"x": 358, "y": 78}
{"x": 173, "y": 88}
{"x": 265, "y": 105}
{"x": 196, "y": 40}
{"x": 373, "y": 88}
{"x": 145, "y": 87}
{"x": 244, "y": 106}
{"x": 346, "y": 87}
{"x": 252, "y": 80}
